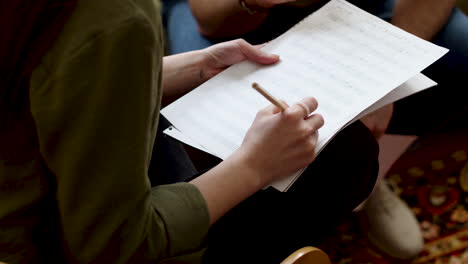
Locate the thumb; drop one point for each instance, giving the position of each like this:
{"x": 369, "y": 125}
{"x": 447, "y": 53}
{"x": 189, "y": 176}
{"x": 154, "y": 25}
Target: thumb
{"x": 255, "y": 54}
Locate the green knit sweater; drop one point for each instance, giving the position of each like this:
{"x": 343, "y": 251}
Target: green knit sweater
{"x": 95, "y": 103}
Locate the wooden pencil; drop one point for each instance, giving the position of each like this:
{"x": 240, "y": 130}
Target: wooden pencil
{"x": 269, "y": 97}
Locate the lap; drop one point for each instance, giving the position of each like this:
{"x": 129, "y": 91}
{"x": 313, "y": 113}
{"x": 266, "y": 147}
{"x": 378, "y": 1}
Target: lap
{"x": 169, "y": 161}
{"x": 270, "y": 225}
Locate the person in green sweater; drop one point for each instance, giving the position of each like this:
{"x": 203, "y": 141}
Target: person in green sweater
{"x": 80, "y": 94}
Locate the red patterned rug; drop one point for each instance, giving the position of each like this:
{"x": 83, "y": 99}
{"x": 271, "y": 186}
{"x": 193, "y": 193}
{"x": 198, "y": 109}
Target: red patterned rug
{"x": 432, "y": 177}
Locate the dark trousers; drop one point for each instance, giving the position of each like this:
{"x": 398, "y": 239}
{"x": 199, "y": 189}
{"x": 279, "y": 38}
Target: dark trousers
{"x": 270, "y": 225}
{"x": 438, "y": 109}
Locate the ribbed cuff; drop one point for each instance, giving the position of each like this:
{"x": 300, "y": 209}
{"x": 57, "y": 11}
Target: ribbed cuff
{"x": 185, "y": 214}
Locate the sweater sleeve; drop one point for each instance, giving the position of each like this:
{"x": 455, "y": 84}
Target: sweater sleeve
{"x": 96, "y": 117}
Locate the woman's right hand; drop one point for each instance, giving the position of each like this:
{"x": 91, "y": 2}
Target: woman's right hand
{"x": 276, "y": 145}
{"x": 281, "y": 143}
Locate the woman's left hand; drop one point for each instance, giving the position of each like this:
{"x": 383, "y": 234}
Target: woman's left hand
{"x": 185, "y": 71}
{"x": 220, "y": 56}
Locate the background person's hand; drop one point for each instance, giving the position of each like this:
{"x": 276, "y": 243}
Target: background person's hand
{"x": 378, "y": 121}
{"x": 220, "y": 56}
{"x": 281, "y": 143}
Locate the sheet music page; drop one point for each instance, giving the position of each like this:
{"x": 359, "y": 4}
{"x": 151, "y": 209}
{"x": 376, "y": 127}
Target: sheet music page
{"x": 341, "y": 55}
{"x": 416, "y": 84}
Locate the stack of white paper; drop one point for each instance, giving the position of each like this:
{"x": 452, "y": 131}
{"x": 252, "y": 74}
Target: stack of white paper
{"x": 349, "y": 60}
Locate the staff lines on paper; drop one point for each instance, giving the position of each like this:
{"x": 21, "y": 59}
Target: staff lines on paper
{"x": 372, "y": 36}
{"x": 350, "y": 63}
{"x": 204, "y": 127}
{"x": 228, "y": 116}
{"x": 344, "y": 67}
{"x": 346, "y": 75}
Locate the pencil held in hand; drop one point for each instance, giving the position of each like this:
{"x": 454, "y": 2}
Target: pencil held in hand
{"x": 269, "y": 97}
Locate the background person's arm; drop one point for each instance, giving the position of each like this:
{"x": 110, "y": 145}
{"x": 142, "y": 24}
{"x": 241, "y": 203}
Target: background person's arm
{"x": 423, "y": 18}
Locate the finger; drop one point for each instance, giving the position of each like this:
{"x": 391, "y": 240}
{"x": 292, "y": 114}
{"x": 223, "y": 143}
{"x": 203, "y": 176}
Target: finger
{"x": 314, "y": 138}
{"x": 273, "y": 109}
{"x": 284, "y": 102}
{"x": 305, "y": 107}
{"x": 260, "y": 46}
{"x": 315, "y": 121}
{"x": 255, "y": 54}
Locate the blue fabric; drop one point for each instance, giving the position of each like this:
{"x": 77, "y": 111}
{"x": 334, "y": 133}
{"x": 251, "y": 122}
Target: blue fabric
{"x": 181, "y": 27}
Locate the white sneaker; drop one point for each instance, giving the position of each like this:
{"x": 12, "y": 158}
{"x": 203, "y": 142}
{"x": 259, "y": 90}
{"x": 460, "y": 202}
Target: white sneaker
{"x": 391, "y": 225}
